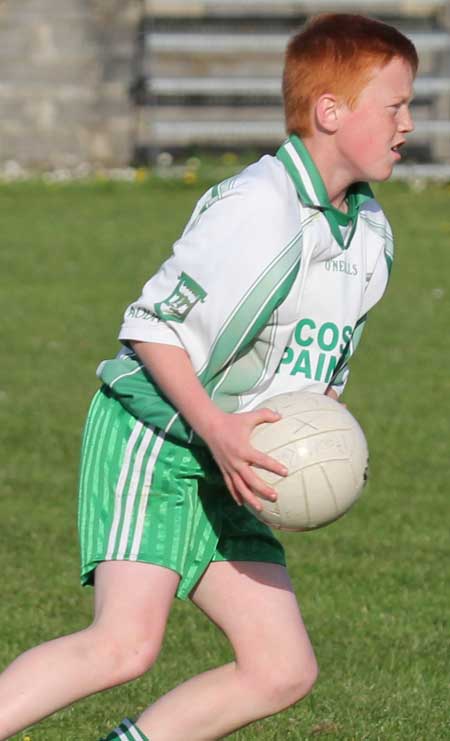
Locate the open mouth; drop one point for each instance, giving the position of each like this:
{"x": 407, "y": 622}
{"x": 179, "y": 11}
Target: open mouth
{"x": 396, "y": 148}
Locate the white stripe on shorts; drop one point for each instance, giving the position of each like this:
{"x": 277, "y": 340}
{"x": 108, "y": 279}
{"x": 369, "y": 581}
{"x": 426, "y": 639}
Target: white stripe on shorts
{"x": 144, "y": 497}
{"x": 132, "y": 492}
{"x": 120, "y": 487}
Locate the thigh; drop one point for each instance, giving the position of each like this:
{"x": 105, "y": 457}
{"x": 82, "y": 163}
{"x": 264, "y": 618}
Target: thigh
{"x": 255, "y": 606}
{"x": 135, "y": 595}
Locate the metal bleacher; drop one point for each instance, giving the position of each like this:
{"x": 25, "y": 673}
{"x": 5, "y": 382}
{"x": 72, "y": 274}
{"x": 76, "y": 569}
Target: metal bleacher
{"x": 207, "y": 72}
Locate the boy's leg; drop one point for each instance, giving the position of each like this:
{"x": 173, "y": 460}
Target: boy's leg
{"x": 254, "y": 605}
{"x": 55, "y": 674}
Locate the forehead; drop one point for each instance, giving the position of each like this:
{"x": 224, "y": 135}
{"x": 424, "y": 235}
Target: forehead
{"x": 394, "y": 79}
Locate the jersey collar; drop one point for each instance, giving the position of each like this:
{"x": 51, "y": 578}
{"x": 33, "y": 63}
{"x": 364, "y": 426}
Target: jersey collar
{"x": 312, "y": 192}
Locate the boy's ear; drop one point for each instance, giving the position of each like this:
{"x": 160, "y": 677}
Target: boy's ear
{"x": 326, "y": 112}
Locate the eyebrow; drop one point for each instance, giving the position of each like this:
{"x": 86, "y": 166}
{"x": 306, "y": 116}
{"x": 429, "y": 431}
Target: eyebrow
{"x": 402, "y": 99}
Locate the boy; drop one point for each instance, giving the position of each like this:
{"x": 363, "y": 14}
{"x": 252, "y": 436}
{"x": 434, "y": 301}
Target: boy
{"x": 267, "y": 290}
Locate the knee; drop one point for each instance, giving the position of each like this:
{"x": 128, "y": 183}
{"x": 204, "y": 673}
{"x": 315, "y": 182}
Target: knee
{"x": 130, "y": 659}
{"x": 287, "y": 683}
{"x": 295, "y": 684}
{"x": 125, "y": 656}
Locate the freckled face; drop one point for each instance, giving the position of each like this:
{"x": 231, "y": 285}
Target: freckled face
{"x": 370, "y": 134}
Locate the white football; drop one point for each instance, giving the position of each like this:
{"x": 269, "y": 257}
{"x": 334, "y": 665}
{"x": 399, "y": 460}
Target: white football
{"x": 325, "y": 451}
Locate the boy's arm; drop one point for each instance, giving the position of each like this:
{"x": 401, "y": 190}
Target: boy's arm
{"x": 227, "y": 435}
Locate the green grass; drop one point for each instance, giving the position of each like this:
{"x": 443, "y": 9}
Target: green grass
{"x": 373, "y": 587}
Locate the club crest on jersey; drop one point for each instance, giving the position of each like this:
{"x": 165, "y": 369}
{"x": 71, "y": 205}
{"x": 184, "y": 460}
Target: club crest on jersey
{"x": 186, "y": 294}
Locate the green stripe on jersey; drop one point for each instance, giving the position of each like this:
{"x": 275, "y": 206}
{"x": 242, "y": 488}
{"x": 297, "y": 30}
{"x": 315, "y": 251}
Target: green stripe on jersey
{"x": 248, "y": 369}
{"x": 253, "y": 311}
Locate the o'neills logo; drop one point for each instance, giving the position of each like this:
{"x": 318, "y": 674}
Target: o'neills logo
{"x": 341, "y": 266}
{"x": 182, "y": 300}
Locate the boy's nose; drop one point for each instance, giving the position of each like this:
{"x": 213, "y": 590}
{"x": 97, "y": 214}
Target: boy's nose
{"x": 406, "y": 122}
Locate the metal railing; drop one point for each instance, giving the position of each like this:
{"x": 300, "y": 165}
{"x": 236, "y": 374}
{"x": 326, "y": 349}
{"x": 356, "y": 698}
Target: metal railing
{"x": 208, "y": 73}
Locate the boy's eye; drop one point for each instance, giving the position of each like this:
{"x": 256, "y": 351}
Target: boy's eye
{"x": 395, "y": 108}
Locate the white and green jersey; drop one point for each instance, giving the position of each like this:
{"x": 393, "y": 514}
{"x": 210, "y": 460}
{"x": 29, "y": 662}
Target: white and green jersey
{"x": 267, "y": 290}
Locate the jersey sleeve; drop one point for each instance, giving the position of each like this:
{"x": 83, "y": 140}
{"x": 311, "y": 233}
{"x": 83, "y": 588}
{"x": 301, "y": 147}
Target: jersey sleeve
{"x": 232, "y": 266}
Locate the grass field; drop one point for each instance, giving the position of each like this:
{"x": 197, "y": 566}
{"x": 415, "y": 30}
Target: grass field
{"x": 374, "y": 587}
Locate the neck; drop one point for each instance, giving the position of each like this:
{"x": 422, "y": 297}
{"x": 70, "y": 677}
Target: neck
{"x": 335, "y": 177}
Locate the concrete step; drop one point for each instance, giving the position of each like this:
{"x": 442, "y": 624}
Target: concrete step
{"x": 288, "y": 8}
{"x": 263, "y": 87}
{"x": 262, "y": 44}
{"x": 177, "y": 127}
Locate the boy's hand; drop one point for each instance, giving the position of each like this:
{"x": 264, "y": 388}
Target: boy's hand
{"x": 229, "y": 441}
{"x": 333, "y": 395}
{"x": 227, "y": 435}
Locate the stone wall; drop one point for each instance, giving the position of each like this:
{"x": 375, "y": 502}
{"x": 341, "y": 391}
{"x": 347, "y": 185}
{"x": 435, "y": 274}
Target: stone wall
{"x": 66, "y": 68}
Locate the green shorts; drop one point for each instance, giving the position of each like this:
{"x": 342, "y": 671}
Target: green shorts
{"x": 146, "y": 498}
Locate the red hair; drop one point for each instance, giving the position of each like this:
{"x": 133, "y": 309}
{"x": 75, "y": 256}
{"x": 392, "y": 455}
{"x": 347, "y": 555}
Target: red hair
{"x": 336, "y": 53}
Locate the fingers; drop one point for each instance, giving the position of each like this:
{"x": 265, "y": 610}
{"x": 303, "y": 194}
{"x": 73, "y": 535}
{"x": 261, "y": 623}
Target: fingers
{"x": 255, "y": 489}
{"x": 333, "y": 395}
{"x": 248, "y": 492}
{"x": 236, "y": 458}
{"x": 264, "y": 415}
{"x": 250, "y": 485}
{"x": 247, "y": 487}
{"x": 243, "y": 493}
{"x": 232, "y": 488}
{"x": 262, "y": 460}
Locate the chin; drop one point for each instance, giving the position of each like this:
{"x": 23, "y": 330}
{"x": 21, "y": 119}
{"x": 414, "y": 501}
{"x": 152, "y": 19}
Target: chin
{"x": 381, "y": 174}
